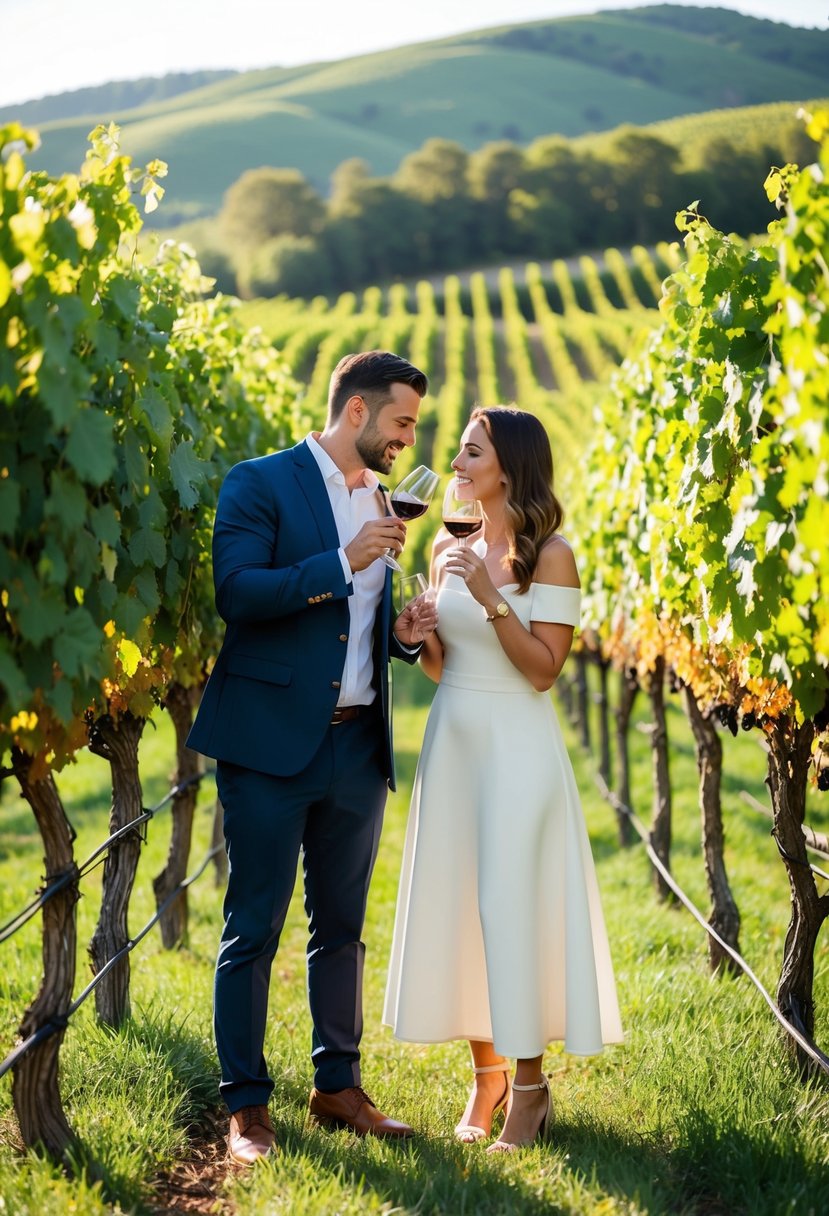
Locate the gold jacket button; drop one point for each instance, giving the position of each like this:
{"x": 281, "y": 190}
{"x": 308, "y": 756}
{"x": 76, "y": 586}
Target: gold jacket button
{"x": 335, "y": 683}
{"x": 343, "y": 637}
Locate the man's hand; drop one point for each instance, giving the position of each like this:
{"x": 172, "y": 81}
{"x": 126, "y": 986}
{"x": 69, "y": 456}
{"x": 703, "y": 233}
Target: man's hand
{"x": 417, "y": 620}
{"x": 373, "y": 539}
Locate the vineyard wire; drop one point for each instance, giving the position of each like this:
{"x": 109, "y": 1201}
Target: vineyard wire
{"x": 95, "y": 858}
{"x": 811, "y": 1050}
{"x": 60, "y": 1021}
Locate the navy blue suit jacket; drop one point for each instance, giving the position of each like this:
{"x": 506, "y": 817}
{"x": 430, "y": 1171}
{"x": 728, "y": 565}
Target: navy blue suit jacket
{"x": 281, "y": 590}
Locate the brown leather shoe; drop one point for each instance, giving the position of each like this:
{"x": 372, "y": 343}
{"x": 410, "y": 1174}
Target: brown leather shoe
{"x": 251, "y": 1135}
{"x": 354, "y": 1108}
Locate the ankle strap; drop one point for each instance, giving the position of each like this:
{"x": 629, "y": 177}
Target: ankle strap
{"x": 493, "y": 1068}
{"x": 526, "y": 1088}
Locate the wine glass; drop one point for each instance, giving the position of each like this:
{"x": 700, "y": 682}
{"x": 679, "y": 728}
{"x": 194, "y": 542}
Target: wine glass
{"x": 409, "y": 588}
{"x": 410, "y": 499}
{"x": 461, "y": 515}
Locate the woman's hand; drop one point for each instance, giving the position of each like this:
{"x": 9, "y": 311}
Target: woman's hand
{"x": 466, "y": 563}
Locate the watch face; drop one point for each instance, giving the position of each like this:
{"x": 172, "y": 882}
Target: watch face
{"x": 503, "y": 608}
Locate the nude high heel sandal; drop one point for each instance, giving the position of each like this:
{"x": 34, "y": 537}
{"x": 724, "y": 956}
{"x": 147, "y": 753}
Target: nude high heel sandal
{"x": 469, "y": 1133}
{"x": 504, "y": 1146}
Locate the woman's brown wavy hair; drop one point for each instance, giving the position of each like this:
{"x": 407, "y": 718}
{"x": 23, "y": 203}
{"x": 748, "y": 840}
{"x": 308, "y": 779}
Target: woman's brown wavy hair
{"x": 532, "y": 512}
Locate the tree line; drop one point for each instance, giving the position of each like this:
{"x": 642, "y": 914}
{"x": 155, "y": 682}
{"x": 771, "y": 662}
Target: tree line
{"x": 446, "y": 208}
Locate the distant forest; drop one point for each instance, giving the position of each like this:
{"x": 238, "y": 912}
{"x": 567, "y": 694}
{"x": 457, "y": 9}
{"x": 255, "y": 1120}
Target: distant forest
{"x": 446, "y": 208}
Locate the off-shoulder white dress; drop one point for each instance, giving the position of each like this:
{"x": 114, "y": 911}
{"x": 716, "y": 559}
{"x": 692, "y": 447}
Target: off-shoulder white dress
{"x": 499, "y": 933}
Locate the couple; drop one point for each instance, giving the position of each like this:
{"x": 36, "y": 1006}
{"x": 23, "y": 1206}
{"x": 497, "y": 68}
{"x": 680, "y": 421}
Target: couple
{"x": 499, "y": 936}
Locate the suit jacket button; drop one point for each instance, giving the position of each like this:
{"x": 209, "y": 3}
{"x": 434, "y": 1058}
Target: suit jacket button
{"x": 310, "y": 599}
{"x": 329, "y": 595}
{"x": 335, "y": 683}
{"x": 343, "y": 637}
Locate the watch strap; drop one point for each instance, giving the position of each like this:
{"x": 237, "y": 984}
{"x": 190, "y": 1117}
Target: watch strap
{"x": 501, "y": 611}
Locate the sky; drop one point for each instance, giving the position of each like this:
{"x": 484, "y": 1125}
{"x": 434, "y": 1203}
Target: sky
{"x": 52, "y": 46}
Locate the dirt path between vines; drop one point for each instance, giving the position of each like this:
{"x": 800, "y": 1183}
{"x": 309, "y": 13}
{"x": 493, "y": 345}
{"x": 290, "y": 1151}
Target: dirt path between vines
{"x": 195, "y": 1184}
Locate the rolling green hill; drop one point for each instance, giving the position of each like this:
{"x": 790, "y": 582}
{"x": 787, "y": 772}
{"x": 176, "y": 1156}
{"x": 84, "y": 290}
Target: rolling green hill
{"x": 568, "y": 75}
{"x": 116, "y": 96}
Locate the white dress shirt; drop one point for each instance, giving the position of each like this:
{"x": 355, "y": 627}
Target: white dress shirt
{"x": 352, "y": 508}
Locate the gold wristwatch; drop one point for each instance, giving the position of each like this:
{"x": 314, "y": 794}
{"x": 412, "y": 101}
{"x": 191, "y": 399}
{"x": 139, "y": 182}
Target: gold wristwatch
{"x": 501, "y": 610}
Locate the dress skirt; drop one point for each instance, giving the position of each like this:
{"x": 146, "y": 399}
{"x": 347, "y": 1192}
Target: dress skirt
{"x": 499, "y": 933}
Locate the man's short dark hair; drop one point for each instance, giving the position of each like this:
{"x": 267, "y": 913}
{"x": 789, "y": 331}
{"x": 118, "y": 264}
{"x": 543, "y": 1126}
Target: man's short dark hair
{"x": 370, "y": 374}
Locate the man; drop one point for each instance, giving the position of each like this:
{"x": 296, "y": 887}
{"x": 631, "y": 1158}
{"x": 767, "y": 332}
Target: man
{"x": 297, "y": 714}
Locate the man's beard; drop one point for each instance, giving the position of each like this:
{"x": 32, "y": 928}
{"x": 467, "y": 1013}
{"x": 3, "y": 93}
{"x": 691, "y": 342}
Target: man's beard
{"x": 372, "y": 449}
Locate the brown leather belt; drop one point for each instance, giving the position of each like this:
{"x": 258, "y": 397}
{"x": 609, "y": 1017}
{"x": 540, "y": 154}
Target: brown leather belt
{"x": 344, "y": 713}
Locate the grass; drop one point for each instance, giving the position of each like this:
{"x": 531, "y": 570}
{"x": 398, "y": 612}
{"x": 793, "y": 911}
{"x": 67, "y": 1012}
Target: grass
{"x": 567, "y": 75}
{"x": 697, "y": 1114}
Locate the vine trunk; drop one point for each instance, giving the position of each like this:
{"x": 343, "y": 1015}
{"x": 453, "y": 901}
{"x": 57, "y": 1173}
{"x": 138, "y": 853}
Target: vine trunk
{"x": 35, "y": 1087}
{"x": 660, "y": 834}
{"x": 790, "y": 748}
{"x": 181, "y": 703}
{"x": 725, "y": 915}
{"x": 628, "y": 690}
{"x": 117, "y": 742}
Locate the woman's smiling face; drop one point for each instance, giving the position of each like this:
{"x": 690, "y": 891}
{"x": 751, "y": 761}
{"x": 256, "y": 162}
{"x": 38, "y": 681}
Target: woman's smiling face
{"x": 477, "y": 470}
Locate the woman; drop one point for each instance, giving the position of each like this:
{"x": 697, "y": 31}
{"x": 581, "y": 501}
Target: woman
{"x": 499, "y": 936}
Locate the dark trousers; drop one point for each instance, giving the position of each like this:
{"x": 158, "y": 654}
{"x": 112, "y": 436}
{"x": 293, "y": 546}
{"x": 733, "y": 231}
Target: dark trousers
{"x": 333, "y": 809}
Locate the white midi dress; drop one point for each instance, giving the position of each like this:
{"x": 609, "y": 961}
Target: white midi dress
{"x": 499, "y": 933}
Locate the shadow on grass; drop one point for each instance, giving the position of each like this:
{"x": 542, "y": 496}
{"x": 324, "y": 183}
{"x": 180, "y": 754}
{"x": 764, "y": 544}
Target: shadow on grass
{"x": 704, "y": 1171}
{"x": 424, "y": 1175}
{"x": 578, "y": 1169}
{"x": 143, "y": 1088}
{"x": 697, "y": 1170}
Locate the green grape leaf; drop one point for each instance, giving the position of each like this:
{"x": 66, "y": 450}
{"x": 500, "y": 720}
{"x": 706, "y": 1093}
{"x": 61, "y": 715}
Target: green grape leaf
{"x": 148, "y": 545}
{"x": 16, "y": 690}
{"x": 90, "y": 448}
{"x": 136, "y": 465}
{"x": 147, "y": 588}
{"x": 159, "y": 418}
{"x": 188, "y": 472}
{"x": 59, "y": 696}
{"x": 78, "y": 645}
{"x": 9, "y": 505}
{"x": 67, "y": 502}
{"x": 105, "y": 524}
{"x": 128, "y": 613}
{"x": 39, "y": 611}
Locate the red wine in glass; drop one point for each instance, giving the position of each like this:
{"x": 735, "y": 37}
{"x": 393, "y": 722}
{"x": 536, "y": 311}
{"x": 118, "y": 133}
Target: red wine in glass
{"x": 406, "y": 506}
{"x": 409, "y": 500}
{"x": 461, "y": 528}
{"x": 462, "y": 514}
